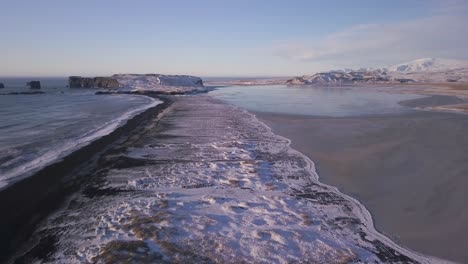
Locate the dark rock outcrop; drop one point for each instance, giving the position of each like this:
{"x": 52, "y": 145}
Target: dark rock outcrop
{"x": 34, "y": 84}
{"x": 451, "y": 79}
{"x": 404, "y": 80}
{"x": 296, "y": 81}
{"x": 80, "y": 82}
{"x": 96, "y": 82}
{"x": 199, "y": 82}
{"x": 2, "y": 85}
{"x": 106, "y": 82}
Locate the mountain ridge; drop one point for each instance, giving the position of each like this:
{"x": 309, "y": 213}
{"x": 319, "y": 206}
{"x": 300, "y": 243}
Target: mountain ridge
{"x": 428, "y": 65}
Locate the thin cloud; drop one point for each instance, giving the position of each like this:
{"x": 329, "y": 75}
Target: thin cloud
{"x": 450, "y": 7}
{"x": 442, "y": 35}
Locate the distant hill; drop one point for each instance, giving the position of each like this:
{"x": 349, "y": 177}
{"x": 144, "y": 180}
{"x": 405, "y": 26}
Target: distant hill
{"x": 343, "y": 77}
{"x": 428, "y": 65}
{"x": 426, "y": 70}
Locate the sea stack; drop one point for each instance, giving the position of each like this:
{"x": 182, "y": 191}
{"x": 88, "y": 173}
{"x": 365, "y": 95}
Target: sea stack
{"x": 2, "y": 85}
{"x": 34, "y": 84}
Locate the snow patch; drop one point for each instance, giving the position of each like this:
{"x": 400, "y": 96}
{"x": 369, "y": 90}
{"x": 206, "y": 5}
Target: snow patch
{"x": 429, "y": 65}
{"x": 159, "y": 82}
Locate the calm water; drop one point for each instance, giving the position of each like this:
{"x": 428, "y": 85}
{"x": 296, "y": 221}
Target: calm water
{"x": 337, "y": 102}
{"x": 37, "y": 129}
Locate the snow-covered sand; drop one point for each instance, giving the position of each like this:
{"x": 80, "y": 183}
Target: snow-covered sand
{"x": 159, "y": 83}
{"x": 208, "y": 182}
{"x": 409, "y": 169}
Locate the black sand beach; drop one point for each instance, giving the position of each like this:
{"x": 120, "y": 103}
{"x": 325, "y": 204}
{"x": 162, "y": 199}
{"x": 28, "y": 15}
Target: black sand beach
{"x": 410, "y": 171}
{"x": 28, "y": 202}
{"x": 205, "y": 182}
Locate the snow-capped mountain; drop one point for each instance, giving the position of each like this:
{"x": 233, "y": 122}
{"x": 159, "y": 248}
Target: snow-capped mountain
{"x": 426, "y": 70}
{"x": 429, "y": 65}
{"x": 345, "y": 78}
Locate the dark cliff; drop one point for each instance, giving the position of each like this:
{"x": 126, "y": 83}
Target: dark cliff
{"x": 96, "y": 82}
{"x": 34, "y": 84}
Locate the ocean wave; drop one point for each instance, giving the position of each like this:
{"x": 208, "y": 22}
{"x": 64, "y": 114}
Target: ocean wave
{"x": 20, "y": 168}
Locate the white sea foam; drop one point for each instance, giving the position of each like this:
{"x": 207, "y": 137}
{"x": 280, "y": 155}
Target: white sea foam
{"x": 50, "y": 156}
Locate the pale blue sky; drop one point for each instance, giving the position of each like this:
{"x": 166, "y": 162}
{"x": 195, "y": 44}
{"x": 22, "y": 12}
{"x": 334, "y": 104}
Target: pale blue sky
{"x": 223, "y": 38}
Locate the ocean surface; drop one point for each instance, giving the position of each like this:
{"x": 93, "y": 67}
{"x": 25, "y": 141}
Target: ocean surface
{"x": 36, "y": 130}
{"x": 315, "y": 101}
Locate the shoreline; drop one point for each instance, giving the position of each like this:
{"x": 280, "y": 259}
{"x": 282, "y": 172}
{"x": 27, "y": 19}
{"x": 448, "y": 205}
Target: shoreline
{"x": 53, "y": 155}
{"x": 348, "y": 136}
{"x": 199, "y": 136}
{"x": 28, "y": 201}
{"x": 387, "y": 248}
{"x": 364, "y": 211}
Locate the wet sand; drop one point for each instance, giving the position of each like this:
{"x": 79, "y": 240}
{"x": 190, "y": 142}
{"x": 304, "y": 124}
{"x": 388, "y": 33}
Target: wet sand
{"x": 410, "y": 170}
{"x": 26, "y": 203}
